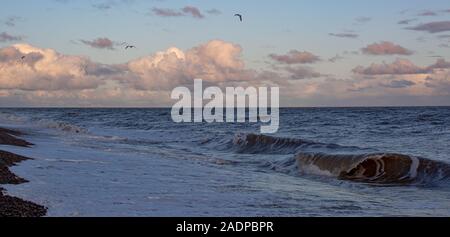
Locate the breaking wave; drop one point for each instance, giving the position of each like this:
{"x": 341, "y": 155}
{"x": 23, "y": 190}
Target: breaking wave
{"x": 262, "y": 144}
{"x": 61, "y": 126}
{"x": 379, "y": 168}
{"x": 46, "y": 123}
{"x": 374, "y": 168}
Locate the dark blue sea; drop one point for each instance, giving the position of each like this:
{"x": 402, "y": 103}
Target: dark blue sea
{"x": 322, "y": 162}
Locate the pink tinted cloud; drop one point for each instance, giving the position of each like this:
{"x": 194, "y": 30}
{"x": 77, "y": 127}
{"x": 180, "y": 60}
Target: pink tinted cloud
{"x": 386, "y": 48}
{"x": 166, "y": 12}
{"x": 193, "y": 11}
{"x": 432, "y": 27}
{"x": 185, "y": 11}
{"x": 5, "y": 37}
{"x": 295, "y": 57}
{"x": 29, "y": 68}
{"x": 100, "y": 43}
{"x": 400, "y": 67}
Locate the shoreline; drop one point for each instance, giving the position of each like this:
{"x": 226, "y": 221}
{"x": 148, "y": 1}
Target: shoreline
{"x": 13, "y": 206}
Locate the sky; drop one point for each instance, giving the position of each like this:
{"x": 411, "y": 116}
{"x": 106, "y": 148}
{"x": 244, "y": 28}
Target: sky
{"x": 71, "y": 53}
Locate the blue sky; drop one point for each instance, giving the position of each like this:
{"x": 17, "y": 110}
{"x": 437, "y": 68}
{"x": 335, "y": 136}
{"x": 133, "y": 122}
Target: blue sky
{"x": 269, "y": 27}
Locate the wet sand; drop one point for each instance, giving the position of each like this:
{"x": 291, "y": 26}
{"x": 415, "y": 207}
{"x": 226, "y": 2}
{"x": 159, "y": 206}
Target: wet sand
{"x": 12, "y": 206}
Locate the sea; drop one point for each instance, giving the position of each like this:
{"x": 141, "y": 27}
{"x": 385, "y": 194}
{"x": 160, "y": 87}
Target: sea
{"x": 376, "y": 161}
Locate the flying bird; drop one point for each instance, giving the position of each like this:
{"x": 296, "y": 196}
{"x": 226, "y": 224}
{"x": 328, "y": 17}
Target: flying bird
{"x": 239, "y": 15}
{"x": 22, "y": 59}
{"x": 130, "y": 47}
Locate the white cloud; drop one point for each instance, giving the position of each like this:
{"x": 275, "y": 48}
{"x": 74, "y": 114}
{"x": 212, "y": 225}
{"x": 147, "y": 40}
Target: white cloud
{"x": 48, "y": 78}
{"x": 215, "y": 61}
{"x": 26, "y": 67}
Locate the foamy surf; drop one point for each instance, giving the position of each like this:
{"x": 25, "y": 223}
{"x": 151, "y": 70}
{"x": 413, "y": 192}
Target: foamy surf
{"x": 8, "y": 118}
{"x": 61, "y": 126}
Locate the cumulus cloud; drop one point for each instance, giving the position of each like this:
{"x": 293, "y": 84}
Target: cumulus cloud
{"x": 400, "y": 67}
{"x": 5, "y": 37}
{"x": 44, "y": 69}
{"x": 391, "y": 89}
{"x": 344, "y": 35}
{"x": 386, "y": 48}
{"x": 185, "y": 11}
{"x": 216, "y": 61}
{"x": 45, "y": 77}
{"x": 432, "y": 27}
{"x": 100, "y": 43}
{"x": 295, "y": 57}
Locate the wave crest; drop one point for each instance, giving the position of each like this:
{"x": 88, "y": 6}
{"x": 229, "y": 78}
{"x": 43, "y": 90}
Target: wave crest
{"x": 62, "y": 126}
{"x": 374, "y": 168}
{"x": 255, "y": 143}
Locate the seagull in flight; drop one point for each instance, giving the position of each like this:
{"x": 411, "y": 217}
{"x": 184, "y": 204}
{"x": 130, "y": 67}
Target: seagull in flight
{"x": 130, "y": 47}
{"x": 239, "y": 15}
{"x": 22, "y": 59}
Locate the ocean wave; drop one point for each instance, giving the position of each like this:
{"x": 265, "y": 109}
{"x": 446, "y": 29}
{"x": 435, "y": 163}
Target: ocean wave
{"x": 383, "y": 168}
{"x": 46, "y": 123}
{"x": 249, "y": 143}
{"x": 332, "y": 161}
{"x": 11, "y": 118}
{"x": 61, "y": 126}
